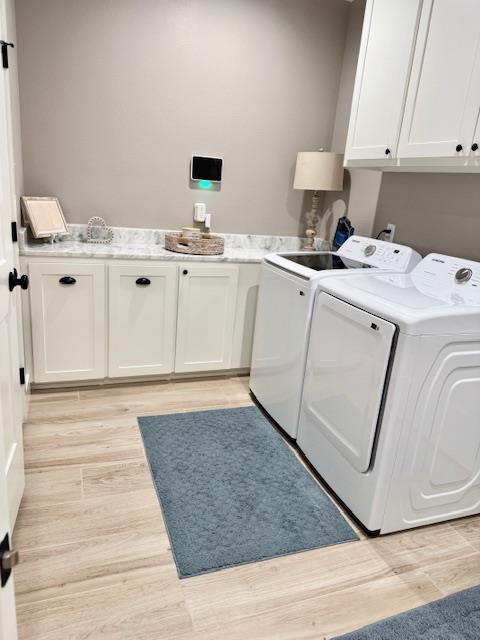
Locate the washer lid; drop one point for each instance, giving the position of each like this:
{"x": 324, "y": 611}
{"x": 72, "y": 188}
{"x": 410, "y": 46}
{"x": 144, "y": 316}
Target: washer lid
{"x": 441, "y": 295}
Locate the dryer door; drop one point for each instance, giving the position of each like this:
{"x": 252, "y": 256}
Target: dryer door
{"x": 347, "y": 365}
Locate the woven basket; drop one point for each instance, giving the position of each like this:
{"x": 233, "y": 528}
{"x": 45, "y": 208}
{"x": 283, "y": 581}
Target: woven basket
{"x": 205, "y": 246}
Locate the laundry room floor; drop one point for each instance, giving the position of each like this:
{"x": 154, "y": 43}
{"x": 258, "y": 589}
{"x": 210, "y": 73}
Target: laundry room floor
{"x": 95, "y": 554}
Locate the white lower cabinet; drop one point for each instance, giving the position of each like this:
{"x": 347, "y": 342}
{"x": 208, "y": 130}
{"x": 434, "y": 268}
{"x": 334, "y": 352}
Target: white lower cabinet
{"x": 206, "y": 316}
{"x": 67, "y": 308}
{"x": 142, "y": 319}
{"x": 92, "y": 320}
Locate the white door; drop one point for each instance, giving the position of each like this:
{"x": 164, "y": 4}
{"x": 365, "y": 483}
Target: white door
{"x": 348, "y": 356}
{"x": 11, "y": 448}
{"x": 206, "y": 316}
{"x": 279, "y": 346}
{"x": 142, "y": 319}
{"x": 443, "y": 97}
{"x": 68, "y": 321}
{"x": 8, "y": 626}
{"x": 382, "y": 76}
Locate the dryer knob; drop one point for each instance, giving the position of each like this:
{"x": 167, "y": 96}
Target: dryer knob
{"x": 370, "y": 250}
{"x": 463, "y": 275}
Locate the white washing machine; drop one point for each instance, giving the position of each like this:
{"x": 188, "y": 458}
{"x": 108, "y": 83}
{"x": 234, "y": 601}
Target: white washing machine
{"x": 287, "y": 286}
{"x": 390, "y": 413}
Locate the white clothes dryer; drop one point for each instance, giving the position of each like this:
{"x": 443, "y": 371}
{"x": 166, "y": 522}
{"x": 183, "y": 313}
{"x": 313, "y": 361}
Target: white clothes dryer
{"x": 390, "y": 414}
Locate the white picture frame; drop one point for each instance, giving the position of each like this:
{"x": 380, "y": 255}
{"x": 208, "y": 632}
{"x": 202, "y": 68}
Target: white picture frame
{"x": 44, "y": 215}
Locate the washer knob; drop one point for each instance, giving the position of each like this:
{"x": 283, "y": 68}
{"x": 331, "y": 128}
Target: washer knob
{"x": 463, "y": 275}
{"x": 370, "y": 250}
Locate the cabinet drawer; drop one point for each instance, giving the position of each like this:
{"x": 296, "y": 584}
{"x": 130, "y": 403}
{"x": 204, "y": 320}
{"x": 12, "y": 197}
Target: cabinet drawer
{"x": 68, "y": 321}
{"x": 142, "y": 316}
{"x": 206, "y": 317}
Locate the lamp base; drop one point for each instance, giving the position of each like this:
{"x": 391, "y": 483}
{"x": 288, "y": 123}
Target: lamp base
{"x": 309, "y": 243}
{"x": 312, "y": 221}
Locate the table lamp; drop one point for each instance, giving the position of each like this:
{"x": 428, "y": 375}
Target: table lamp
{"x": 317, "y": 171}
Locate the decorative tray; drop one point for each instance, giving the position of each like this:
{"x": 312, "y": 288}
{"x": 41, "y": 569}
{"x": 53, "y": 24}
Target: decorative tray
{"x": 206, "y": 245}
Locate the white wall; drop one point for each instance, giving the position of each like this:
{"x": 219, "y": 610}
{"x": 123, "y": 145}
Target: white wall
{"x": 117, "y": 94}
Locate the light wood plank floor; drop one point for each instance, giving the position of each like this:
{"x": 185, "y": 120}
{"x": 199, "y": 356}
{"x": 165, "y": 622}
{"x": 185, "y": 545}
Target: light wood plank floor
{"x": 96, "y": 562}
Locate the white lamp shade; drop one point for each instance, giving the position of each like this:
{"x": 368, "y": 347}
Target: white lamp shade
{"x": 319, "y": 171}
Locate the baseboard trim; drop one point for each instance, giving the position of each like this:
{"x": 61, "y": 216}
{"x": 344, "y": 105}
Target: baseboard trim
{"x": 116, "y": 382}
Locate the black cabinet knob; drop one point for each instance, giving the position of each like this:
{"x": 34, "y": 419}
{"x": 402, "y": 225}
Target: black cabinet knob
{"x": 387, "y": 151}
{"x": 15, "y": 281}
{"x": 458, "y": 147}
{"x": 67, "y": 280}
{"x": 185, "y": 272}
{"x": 474, "y": 146}
{"x": 143, "y": 282}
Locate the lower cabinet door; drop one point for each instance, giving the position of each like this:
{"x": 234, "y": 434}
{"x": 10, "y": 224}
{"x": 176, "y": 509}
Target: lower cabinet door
{"x": 68, "y": 321}
{"x": 206, "y": 317}
{"x": 142, "y": 315}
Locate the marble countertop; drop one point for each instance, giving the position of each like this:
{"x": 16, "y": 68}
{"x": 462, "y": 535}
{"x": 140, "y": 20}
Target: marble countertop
{"x": 148, "y": 244}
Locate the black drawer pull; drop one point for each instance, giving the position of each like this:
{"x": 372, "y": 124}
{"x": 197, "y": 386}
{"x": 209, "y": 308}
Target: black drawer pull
{"x": 67, "y": 280}
{"x": 144, "y": 282}
{"x": 185, "y": 272}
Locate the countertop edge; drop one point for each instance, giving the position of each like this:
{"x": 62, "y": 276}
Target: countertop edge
{"x": 175, "y": 257}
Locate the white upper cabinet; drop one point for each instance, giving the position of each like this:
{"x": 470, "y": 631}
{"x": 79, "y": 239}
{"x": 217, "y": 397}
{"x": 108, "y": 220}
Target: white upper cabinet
{"x": 443, "y": 99}
{"x": 388, "y": 37}
{"x": 475, "y": 146}
{"x": 206, "y": 317}
{"x": 142, "y": 319}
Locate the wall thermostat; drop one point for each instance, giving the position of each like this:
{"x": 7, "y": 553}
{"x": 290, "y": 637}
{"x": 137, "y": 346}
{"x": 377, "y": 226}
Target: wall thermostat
{"x": 207, "y": 169}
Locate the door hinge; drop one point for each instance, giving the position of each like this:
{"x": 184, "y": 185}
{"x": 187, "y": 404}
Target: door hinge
{"x": 4, "y": 45}
{"x": 14, "y": 232}
{"x": 22, "y": 375}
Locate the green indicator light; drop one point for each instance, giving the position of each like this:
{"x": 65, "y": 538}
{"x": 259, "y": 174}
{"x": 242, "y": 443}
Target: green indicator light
{"x": 205, "y": 184}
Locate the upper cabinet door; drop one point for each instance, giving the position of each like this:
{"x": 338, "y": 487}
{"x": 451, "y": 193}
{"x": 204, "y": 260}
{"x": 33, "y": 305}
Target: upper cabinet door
{"x": 388, "y": 37}
{"x": 443, "y": 98}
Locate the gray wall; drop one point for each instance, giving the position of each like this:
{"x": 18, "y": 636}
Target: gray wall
{"x": 434, "y": 212}
{"x": 117, "y": 94}
{"x": 358, "y": 200}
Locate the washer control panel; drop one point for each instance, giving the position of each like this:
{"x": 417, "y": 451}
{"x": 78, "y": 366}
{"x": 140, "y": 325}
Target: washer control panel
{"x": 449, "y": 278}
{"x": 379, "y": 254}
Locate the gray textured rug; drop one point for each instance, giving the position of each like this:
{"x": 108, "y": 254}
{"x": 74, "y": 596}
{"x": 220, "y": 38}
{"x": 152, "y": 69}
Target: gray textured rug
{"x": 233, "y": 492}
{"x": 456, "y": 617}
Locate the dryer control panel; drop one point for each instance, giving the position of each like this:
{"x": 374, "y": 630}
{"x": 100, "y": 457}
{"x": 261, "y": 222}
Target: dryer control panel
{"x": 379, "y": 254}
{"x": 449, "y": 278}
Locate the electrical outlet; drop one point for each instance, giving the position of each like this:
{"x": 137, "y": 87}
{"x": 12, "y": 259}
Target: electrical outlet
{"x": 391, "y": 235}
{"x": 199, "y": 211}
